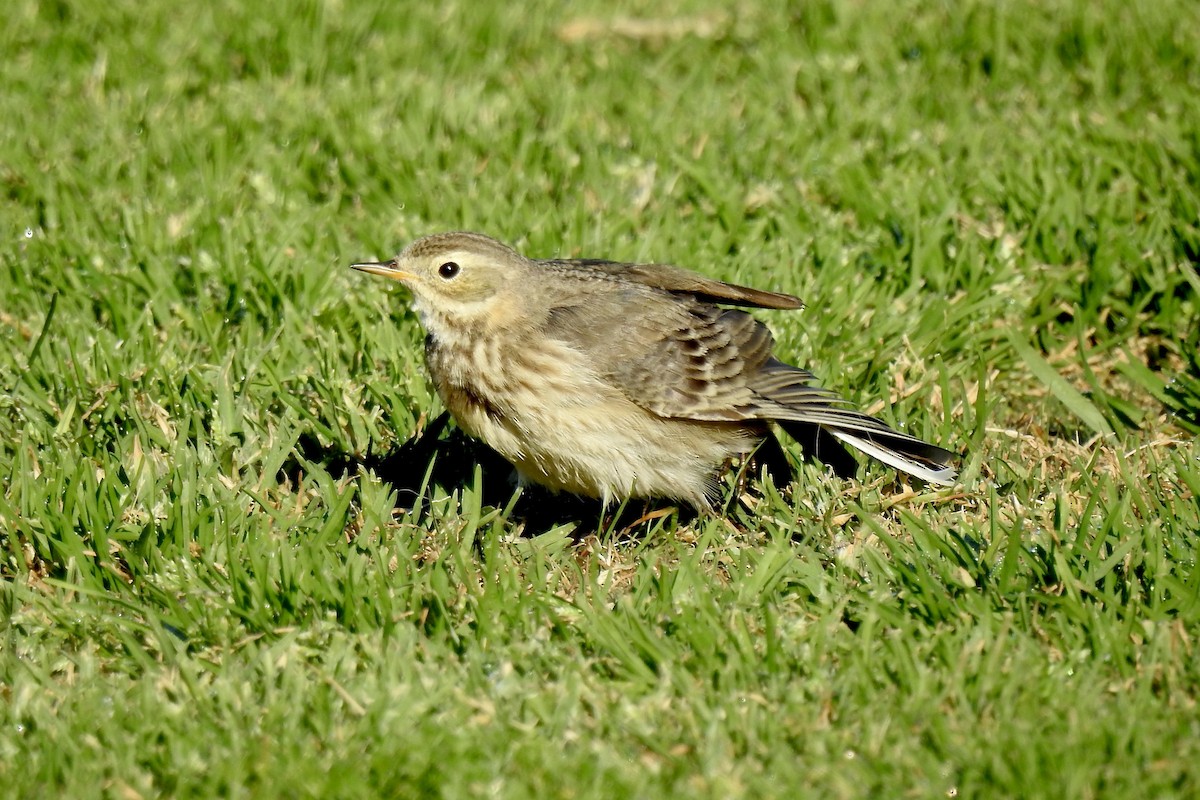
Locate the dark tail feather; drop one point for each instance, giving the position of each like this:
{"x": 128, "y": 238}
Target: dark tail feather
{"x": 908, "y": 454}
{"x": 820, "y": 445}
{"x": 819, "y": 420}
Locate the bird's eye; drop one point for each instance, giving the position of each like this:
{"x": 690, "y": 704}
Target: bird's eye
{"x": 448, "y": 270}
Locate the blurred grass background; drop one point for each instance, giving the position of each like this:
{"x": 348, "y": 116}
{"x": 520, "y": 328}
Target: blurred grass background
{"x": 992, "y": 211}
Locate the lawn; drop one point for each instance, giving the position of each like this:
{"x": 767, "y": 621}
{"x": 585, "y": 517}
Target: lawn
{"x": 242, "y": 554}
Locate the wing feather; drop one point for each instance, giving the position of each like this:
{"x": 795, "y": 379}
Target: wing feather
{"x": 660, "y": 339}
{"x": 677, "y": 280}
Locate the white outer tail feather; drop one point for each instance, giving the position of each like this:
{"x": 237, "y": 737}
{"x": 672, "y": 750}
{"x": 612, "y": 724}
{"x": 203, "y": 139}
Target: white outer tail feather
{"x": 941, "y": 476}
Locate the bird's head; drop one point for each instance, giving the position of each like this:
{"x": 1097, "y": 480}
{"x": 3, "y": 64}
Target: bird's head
{"x": 462, "y": 279}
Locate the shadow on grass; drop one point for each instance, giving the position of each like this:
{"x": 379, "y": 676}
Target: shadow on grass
{"x": 450, "y": 461}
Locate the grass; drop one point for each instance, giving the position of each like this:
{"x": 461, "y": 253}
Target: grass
{"x": 209, "y": 588}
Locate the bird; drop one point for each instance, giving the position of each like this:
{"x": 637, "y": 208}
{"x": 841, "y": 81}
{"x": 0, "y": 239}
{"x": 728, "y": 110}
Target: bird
{"x": 616, "y": 380}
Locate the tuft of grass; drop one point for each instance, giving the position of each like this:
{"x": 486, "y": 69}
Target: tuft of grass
{"x": 243, "y": 556}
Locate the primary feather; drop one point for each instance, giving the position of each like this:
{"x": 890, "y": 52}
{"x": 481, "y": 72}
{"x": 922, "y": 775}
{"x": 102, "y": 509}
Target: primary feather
{"x": 716, "y": 364}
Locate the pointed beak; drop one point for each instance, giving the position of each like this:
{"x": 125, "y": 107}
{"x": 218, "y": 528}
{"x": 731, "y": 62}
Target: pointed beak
{"x": 387, "y": 269}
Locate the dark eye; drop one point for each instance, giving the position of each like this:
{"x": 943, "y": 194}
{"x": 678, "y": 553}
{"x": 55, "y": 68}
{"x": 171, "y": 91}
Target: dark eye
{"x": 448, "y": 270}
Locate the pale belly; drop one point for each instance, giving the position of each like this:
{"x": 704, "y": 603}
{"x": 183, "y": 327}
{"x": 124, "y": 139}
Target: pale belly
{"x": 572, "y": 433}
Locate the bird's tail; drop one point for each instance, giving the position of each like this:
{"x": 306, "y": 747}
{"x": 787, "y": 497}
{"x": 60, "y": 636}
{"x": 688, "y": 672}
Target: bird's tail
{"x": 823, "y": 437}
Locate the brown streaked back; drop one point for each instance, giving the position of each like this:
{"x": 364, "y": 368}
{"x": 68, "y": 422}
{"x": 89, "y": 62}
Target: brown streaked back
{"x": 678, "y": 280}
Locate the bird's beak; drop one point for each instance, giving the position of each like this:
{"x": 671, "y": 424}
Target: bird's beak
{"x": 387, "y": 269}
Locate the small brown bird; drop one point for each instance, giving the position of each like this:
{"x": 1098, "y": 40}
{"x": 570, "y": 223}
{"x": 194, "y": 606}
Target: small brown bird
{"x": 616, "y": 380}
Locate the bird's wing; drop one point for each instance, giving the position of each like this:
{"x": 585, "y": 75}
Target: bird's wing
{"x": 678, "y": 280}
{"x": 676, "y": 356}
{"x": 685, "y": 359}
